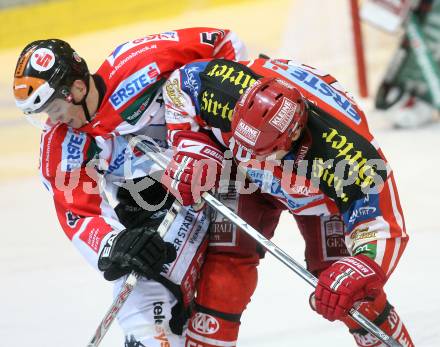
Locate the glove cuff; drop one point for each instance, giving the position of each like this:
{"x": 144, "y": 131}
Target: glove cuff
{"x": 198, "y": 146}
{"x": 373, "y": 265}
{"x": 192, "y": 135}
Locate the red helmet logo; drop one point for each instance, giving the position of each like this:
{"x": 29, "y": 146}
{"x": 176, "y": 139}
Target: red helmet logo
{"x": 247, "y": 132}
{"x": 43, "y": 59}
{"x": 284, "y": 116}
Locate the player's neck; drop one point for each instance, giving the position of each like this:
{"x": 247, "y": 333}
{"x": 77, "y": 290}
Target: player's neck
{"x": 92, "y": 99}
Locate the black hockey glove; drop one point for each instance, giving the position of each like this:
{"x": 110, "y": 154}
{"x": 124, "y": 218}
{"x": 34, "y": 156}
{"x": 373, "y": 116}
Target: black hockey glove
{"x": 142, "y": 250}
{"x": 132, "y": 215}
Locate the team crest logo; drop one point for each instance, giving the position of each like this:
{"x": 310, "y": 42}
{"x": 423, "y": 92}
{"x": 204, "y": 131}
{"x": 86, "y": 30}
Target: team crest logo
{"x": 72, "y": 219}
{"x": 205, "y": 324}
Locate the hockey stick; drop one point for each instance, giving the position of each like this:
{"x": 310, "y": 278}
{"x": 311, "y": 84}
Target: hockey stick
{"x": 153, "y": 151}
{"x": 130, "y": 283}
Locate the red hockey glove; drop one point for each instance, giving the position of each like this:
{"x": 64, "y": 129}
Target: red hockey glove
{"x": 195, "y": 167}
{"x": 346, "y": 281}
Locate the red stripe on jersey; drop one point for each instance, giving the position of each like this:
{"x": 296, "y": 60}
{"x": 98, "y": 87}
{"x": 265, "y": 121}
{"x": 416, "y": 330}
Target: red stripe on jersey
{"x": 391, "y": 254}
{"x": 397, "y": 199}
{"x": 388, "y": 212}
{"x": 180, "y": 126}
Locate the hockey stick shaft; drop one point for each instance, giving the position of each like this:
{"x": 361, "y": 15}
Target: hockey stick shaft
{"x": 130, "y": 283}
{"x": 116, "y": 306}
{"x": 161, "y": 160}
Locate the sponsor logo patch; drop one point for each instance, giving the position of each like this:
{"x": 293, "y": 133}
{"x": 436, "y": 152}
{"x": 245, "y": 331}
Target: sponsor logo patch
{"x": 42, "y": 59}
{"x": 172, "y": 88}
{"x": 72, "y": 219}
{"x": 222, "y": 232}
{"x": 359, "y": 266}
{"x": 284, "y": 116}
{"x": 158, "y": 315}
{"x": 334, "y": 227}
{"x": 362, "y": 234}
{"x": 118, "y": 161}
{"x": 223, "y": 82}
{"x": 190, "y": 81}
{"x": 205, "y": 324}
{"x": 72, "y": 150}
{"x": 333, "y": 238}
{"x": 247, "y": 132}
{"x": 161, "y": 337}
{"x": 210, "y": 152}
{"x": 316, "y": 86}
{"x": 364, "y": 211}
{"x": 285, "y": 83}
{"x": 125, "y": 47}
{"x": 134, "y": 84}
{"x": 272, "y": 185}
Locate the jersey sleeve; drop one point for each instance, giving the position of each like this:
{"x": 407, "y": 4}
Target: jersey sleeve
{"x": 375, "y": 227}
{"x": 180, "y": 108}
{"x": 83, "y": 212}
{"x": 212, "y": 43}
{"x": 132, "y": 74}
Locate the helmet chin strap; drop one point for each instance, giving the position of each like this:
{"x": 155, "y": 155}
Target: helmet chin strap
{"x": 82, "y": 102}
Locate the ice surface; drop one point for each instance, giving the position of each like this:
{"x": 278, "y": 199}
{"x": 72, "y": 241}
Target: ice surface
{"x": 50, "y": 296}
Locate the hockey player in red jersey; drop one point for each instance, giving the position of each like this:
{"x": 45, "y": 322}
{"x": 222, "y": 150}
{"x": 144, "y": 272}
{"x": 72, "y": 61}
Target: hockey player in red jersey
{"x": 303, "y": 141}
{"x": 84, "y": 159}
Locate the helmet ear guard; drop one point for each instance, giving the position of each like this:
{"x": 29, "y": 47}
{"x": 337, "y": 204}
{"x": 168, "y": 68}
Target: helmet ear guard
{"x": 36, "y": 100}
{"x": 267, "y": 115}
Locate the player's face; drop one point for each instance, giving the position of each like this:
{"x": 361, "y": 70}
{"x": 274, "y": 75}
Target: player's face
{"x": 64, "y": 111}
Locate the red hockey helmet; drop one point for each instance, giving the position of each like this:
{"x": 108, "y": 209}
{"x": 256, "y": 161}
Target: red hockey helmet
{"x": 267, "y": 115}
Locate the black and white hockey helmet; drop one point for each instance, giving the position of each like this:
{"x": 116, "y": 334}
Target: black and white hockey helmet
{"x": 46, "y": 70}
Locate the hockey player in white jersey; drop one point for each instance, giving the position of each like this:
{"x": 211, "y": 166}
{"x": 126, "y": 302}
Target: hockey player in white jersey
{"x": 85, "y": 162}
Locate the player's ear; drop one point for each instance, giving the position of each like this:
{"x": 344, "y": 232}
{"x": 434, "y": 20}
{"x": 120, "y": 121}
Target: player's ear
{"x": 78, "y": 89}
{"x": 78, "y": 86}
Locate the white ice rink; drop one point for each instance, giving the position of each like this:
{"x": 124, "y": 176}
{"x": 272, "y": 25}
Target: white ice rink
{"x": 49, "y": 296}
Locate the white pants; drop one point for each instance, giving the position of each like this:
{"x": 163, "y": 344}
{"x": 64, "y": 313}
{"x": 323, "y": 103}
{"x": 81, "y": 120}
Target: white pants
{"x": 145, "y": 316}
